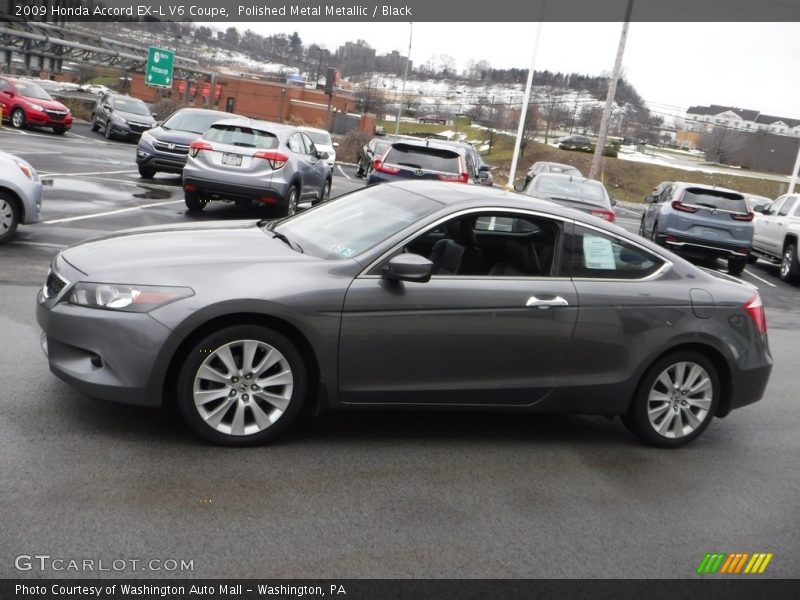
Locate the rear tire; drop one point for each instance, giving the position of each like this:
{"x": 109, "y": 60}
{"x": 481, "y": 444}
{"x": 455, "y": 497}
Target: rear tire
{"x": 675, "y": 401}
{"x": 94, "y": 125}
{"x": 790, "y": 268}
{"x": 292, "y": 199}
{"x": 193, "y": 201}
{"x": 736, "y": 264}
{"x": 146, "y": 173}
{"x": 9, "y": 217}
{"x": 227, "y": 396}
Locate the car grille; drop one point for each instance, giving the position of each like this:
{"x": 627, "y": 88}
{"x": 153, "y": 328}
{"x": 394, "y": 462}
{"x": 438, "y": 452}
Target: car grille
{"x": 55, "y": 285}
{"x": 137, "y": 128}
{"x": 56, "y": 115}
{"x": 171, "y": 148}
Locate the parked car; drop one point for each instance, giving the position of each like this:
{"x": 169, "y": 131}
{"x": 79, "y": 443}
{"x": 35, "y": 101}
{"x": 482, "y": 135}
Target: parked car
{"x": 755, "y": 202}
{"x": 479, "y": 172}
{"x": 433, "y": 119}
{"x": 254, "y": 162}
{"x": 550, "y": 167}
{"x": 375, "y": 148}
{"x": 96, "y": 89}
{"x": 776, "y": 235}
{"x": 420, "y": 159}
{"x": 26, "y": 104}
{"x": 166, "y": 147}
{"x": 121, "y": 116}
{"x": 20, "y": 194}
{"x": 359, "y": 303}
{"x": 587, "y": 195}
{"x": 323, "y": 142}
{"x": 700, "y": 221}
{"x": 575, "y": 142}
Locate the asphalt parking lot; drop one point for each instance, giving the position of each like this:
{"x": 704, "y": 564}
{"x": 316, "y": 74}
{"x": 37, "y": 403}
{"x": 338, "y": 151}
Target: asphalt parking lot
{"x": 376, "y": 495}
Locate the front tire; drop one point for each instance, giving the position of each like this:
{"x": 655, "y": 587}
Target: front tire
{"x": 18, "y": 118}
{"x": 241, "y": 386}
{"x": 193, "y": 201}
{"x": 736, "y": 264}
{"x": 790, "y": 268}
{"x": 325, "y": 192}
{"x": 675, "y": 401}
{"x": 146, "y": 173}
{"x": 9, "y": 217}
{"x": 108, "y": 132}
{"x": 59, "y": 130}
{"x": 94, "y": 125}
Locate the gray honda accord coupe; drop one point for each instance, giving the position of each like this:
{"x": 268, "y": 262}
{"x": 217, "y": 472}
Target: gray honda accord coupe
{"x": 412, "y": 295}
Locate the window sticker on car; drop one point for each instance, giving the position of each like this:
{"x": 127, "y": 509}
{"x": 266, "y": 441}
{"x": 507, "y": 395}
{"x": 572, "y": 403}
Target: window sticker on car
{"x": 598, "y": 253}
{"x": 343, "y": 250}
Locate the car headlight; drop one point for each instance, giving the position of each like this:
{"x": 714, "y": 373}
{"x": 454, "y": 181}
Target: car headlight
{"x": 37, "y": 107}
{"x": 118, "y": 119}
{"x": 29, "y": 171}
{"x": 128, "y": 298}
{"x": 146, "y": 137}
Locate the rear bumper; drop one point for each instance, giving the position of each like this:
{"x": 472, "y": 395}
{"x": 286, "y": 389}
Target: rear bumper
{"x": 747, "y": 387}
{"x": 703, "y": 247}
{"x": 275, "y": 192}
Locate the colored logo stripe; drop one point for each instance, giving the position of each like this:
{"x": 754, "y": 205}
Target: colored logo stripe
{"x": 734, "y": 562}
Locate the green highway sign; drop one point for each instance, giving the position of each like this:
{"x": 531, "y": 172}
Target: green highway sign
{"x": 159, "y": 67}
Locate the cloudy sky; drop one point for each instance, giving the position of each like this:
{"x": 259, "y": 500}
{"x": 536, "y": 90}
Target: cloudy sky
{"x": 672, "y": 65}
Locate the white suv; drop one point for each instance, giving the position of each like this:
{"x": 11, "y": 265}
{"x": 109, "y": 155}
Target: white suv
{"x": 322, "y": 140}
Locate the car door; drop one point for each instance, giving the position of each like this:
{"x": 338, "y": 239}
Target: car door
{"x": 766, "y": 230}
{"x": 461, "y": 339}
{"x": 781, "y": 222}
{"x": 318, "y": 170}
{"x": 652, "y": 209}
{"x": 301, "y": 160}
{"x": 621, "y": 316}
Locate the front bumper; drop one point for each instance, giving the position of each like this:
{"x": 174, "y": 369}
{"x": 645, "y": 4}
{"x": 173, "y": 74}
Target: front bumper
{"x": 148, "y": 157}
{"x": 110, "y": 355}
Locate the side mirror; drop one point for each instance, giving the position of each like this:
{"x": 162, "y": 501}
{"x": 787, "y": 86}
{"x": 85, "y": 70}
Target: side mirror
{"x": 519, "y": 186}
{"x": 484, "y": 168}
{"x": 760, "y": 209}
{"x": 321, "y": 155}
{"x": 613, "y": 202}
{"x": 335, "y": 144}
{"x": 154, "y": 115}
{"x": 408, "y": 267}
{"x": 650, "y": 198}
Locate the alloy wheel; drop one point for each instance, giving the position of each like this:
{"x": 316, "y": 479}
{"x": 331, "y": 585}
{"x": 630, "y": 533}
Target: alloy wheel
{"x": 786, "y": 263}
{"x": 7, "y": 216}
{"x": 243, "y": 387}
{"x": 17, "y": 119}
{"x": 291, "y": 202}
{"x": 679, "y": 400}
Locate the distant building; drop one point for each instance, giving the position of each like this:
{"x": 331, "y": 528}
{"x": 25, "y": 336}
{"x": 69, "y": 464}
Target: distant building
{"x": 393, "y": 63}
{"x": 703, "y": 118}
{"x": 356, "y": 57}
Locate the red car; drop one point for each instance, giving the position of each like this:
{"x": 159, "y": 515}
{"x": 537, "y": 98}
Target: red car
{"x": 25, "y": 103}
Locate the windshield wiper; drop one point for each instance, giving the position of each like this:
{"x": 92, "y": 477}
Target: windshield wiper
{"x": 287, "y": 241}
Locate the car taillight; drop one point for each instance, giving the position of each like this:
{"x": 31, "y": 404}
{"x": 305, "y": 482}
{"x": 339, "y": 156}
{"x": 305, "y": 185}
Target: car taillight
{"x": 743, "y": 216}
{"x": 608, "y": 215}
{"x": 276, "y": 160}
{"x": 198, "y": 145}
{"x": 755, "y": 310}
{"x": 382, "y": 168}
{"x": 678, "y": 205}
{"x": 27, "y": 170}
{"x": 461, "y": 178}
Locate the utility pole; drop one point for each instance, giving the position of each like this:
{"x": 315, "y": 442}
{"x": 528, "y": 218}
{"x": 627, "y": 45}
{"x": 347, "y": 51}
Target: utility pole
{"x": 405, "y": 76}
{"x": 597, "y": 159}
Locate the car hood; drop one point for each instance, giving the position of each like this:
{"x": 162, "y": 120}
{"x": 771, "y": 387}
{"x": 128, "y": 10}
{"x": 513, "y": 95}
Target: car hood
{"x": 174, "y": 136}
{"x": 169, "y": 254}
{"x": 136, "y": 118}
{"x": 47, "y": 104}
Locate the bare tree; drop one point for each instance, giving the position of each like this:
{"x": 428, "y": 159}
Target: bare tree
{"x": 370, "y": 96}
{"x": 721, "y": 143}
{"x": 529, "y": 127}
{"x": 552, "y": 109}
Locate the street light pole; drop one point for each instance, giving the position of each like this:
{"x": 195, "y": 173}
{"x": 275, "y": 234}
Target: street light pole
{"x": 405, "y": 76}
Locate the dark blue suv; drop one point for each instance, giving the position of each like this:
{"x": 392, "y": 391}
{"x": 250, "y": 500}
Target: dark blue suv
{"x": 423, "y": 159}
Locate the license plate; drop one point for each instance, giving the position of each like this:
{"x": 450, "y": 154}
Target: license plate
{"x": 234, "y": 160}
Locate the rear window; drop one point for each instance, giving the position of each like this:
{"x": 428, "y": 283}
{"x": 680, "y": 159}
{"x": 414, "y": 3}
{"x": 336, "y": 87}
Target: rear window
{"x": 429, "y": 159}
{"x": 319, "y": 137}
{"x": 723, "y": 200}
{"x": 241, "y": 136}
{"x": 566, "y": 171}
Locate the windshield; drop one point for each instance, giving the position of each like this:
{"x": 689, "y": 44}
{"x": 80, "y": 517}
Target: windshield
{"x": 319, "y": 137}
{"x": 569, "y": 188}
{"x": 132, "y": 106}
{"x": 355, "y": 222}
{"x": 194, "y": 121}
{"x": 31, "y": 90}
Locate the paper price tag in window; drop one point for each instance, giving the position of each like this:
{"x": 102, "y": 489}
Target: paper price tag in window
{"x": 598, "y": 253}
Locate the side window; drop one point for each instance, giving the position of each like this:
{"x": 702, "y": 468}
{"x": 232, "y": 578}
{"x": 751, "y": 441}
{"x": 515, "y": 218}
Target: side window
{"x": 776, "y": 206}
{"x": 472, "y": 169}
{"x": 666, "y": 193}
{"x": 3, "y": 85}
{"x": 598, "y": 255}
{"x": 788, "y": 205}
{"x": 295, "y": 143}
{"x": 310, "y": 147}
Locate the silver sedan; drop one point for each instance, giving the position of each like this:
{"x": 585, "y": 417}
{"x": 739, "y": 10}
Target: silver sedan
{"x": 20, "y": 194}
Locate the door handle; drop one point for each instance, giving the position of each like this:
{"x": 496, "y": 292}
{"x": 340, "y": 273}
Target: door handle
{"x": 533, "y": 301}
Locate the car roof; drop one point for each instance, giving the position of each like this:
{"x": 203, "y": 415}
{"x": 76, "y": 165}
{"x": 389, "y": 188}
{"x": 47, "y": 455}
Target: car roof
{"x": 429, "y": 143}
{"x": 314, "y": 129}
{"x": 567, "y": 177}
{"x": 204, "y": 110}
{"x": 555, "y": 164}
{"x": 705, "y": 186}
